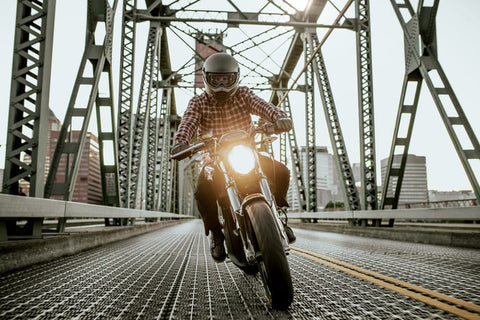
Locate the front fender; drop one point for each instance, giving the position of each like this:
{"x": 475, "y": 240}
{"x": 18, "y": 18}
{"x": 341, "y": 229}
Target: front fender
{"x": 251, "y": 198}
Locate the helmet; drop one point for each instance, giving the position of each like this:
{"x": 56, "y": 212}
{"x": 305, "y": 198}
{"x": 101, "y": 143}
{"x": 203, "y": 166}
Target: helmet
{"x": 221, "y": 75}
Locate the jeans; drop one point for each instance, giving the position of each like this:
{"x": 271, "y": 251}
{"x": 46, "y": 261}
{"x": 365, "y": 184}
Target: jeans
{"x": 208, "y": 192}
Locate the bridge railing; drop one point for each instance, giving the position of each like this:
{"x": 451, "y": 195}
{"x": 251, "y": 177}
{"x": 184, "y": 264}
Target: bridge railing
{"x": 28, "y": 207}
{"x": 452, "y": 213}
{"x": 35, "y": 210}
{"x": 18, "y": 207}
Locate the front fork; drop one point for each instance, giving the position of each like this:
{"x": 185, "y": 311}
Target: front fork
{"x": 239, "y": 208}
{"x": 273, "y": 206}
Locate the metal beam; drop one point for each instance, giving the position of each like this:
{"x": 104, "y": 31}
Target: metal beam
{"x": 140, "y": 129}
{"x": 125, "y": 113}
{"x": 421, "y": 61}
{"x": 344, "y": 169}
{"x": 29, "y": 97}
{"x": 70, "y": 144}
{"x": 369, "y": 199}
{"x": 311, "y": 147}
{"x": 140, "y": 17}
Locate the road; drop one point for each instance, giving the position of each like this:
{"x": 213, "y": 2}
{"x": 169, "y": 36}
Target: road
{"x": 169, "y": 274}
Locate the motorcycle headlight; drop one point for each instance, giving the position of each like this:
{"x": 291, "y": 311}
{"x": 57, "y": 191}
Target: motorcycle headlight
{"x": 241, "y": 159}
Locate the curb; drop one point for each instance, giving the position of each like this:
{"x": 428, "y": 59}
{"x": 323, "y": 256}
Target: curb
{"x": 449, "y": 237}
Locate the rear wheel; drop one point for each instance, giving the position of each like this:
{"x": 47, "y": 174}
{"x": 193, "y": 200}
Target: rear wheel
{"x": 273, "y": 265}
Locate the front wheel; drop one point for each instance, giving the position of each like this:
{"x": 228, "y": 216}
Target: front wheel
{"x": 273, "y": 265}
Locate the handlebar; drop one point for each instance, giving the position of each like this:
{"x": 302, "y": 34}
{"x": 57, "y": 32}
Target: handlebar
{"x": 266, "y": 128}
{"x": 187, "y": 152}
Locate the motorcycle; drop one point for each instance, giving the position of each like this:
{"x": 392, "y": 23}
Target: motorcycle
{"x": 254, "y": 233}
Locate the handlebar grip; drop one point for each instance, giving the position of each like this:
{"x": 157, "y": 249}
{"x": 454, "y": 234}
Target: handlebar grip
{"x": 187, "y": 152}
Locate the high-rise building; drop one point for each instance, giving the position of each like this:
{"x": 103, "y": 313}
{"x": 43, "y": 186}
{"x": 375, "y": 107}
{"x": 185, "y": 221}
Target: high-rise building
{"x": 327, "y": 178}
{"x": 414, "y": 185}
{"x": 88, "y": 187}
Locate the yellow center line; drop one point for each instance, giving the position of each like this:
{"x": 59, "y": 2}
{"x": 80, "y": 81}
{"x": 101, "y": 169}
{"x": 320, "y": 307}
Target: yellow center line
{"x": 375, "y": 278}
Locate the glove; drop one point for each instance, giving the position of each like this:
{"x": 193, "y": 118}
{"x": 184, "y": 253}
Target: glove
{"x": 179, "y": 147}
{"x": 284, "y": 124}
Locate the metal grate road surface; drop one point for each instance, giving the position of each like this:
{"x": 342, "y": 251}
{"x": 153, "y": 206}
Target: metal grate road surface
{"x": 168, "y": 274}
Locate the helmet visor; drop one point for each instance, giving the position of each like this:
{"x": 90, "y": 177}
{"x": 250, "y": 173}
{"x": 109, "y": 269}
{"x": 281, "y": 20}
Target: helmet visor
{"x": 221, "y": 79}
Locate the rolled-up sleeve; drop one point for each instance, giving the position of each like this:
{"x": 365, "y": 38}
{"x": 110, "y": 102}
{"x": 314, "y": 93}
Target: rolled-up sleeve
{"x": 189, "y": 124}
{"x": 262, "y": 108}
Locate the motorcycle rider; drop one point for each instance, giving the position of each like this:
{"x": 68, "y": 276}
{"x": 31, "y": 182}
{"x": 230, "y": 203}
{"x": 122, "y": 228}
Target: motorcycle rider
{"x": 225, "y": 106}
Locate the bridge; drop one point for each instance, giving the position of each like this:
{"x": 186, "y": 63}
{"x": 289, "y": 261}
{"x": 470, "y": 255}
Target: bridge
{"x": 141, "y": 253}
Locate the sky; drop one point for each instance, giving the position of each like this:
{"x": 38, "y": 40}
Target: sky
{"x": 459, "y": 48}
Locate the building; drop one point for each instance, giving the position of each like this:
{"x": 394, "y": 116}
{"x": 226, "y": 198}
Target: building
{"x": 327, "y": 179}
{"x": 88, "y": 187}
{"x": 436, "y": 196}
{"x": 414, "y": 187}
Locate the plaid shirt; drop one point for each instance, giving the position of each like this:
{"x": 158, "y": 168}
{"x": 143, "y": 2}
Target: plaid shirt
{"x": 206, "y": 115}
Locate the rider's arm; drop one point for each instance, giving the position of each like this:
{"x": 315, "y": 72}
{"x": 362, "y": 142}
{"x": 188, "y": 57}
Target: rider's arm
{"x": 189, "y": 124}
{"x": 262, "y": 108}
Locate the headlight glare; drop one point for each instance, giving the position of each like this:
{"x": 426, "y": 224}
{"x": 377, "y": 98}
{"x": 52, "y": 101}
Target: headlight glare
{"x": 241, "y": 159}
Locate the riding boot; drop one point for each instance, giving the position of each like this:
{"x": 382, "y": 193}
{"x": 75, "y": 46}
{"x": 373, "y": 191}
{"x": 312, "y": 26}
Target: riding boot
{"x": 288, "y": 230}
{"x": 217, "y": 249}
{"x": 290, "y": 235}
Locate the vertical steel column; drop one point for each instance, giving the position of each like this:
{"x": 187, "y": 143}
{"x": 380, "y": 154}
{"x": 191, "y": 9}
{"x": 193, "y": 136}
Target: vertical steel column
{"x": 125, "y": 113}
{"x": 29, "y": 97}
{"x": 283, "y": 137}
{"x": 143, "y": 110}
{"x": 349, "y": 189}
{"x": 420, "y": 62}
{"x": 165, "y": 164}
{"x": 69, "y": 148}
{"x": 152, "y": 137}
{"x": 172, "y": 197}
{"x": 107, "y": 135}
{"x": 28, "y": 113}
{"x": 296, "y": 171}
{"x": 70, "y": 152}
{"x": 369, "y": 200}
{"x": 311, "y": 150}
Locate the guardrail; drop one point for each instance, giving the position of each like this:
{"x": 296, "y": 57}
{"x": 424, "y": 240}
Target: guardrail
{"x": 27, "y": 207}
{"x": 456, "y": 213}
{"x": 35, "y": 210}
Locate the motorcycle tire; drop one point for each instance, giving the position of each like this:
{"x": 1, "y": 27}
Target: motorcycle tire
{"x": 273, "y": 265}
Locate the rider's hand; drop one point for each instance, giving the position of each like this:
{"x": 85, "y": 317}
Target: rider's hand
{"x": 284, "y": 124}
{"x": 179, "y": 147}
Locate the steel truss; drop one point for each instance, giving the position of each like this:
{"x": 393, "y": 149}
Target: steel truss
{"x": 296, "y": 168}
{"x": 147, "y": 105}
{"x": 29, "y": 97}
{"x": 419, "y": 67}
{"x": 167, "y": 168}
{"x": 70, "y": 145}
{"x": 311, "y": 147}
{"x": 28, "y": 113}
{"x": 126, "y": 106}
{"x": 156, "y": 122}
{"x": 369, "y": 199}
{"x": 344, "y": 168}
